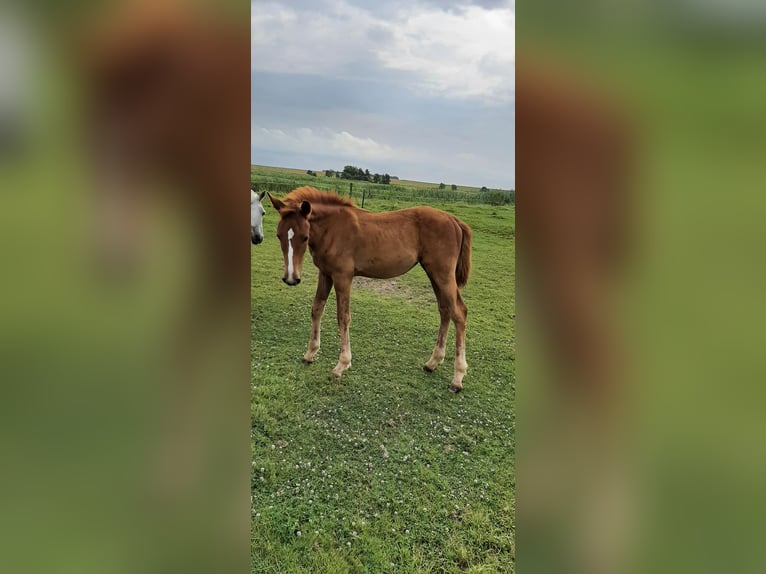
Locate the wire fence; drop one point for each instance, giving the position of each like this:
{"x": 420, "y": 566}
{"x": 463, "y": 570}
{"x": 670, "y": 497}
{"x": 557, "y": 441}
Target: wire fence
{"x": 363, "y": 191}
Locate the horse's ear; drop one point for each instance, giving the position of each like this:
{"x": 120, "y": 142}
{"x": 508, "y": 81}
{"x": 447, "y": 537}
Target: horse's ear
{"x": 305, "y": 208}
{"x": 276, "y": 203}
{"x": 260, "y": 195}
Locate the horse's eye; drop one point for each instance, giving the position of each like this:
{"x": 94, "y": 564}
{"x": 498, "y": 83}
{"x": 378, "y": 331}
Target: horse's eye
{"x": 305, "y": 238}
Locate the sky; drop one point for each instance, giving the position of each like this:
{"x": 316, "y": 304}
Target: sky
{"x": 419, "y": 89}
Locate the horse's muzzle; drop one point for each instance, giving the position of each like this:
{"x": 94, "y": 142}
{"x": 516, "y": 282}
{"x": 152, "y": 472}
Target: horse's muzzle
{"x": 292, "y": 283}
{"x": 256, "y": 239}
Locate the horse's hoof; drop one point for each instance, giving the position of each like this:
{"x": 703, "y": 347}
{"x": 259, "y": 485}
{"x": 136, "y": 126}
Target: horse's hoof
{"x": 338, "y": 374}
{"x": 453, "y": 388}
{"x": 305, "y": 361}
{"x": 428, "y": 369}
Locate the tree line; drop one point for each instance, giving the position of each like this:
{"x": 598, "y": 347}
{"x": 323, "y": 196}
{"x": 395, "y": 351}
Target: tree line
{"x": 357, "y": 174}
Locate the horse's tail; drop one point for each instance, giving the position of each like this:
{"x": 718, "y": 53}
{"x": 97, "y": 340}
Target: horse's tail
{"x": 463, "y": 269}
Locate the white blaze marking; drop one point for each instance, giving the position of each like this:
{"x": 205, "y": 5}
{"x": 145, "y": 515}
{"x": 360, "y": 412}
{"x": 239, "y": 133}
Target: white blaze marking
{"x": 290, "y": 236}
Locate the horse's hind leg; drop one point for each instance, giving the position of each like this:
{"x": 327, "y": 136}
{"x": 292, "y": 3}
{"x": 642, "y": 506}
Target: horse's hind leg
{"x": 324, "y": 285}
{"x": 459, "y": 313}
{"x": 440, "y": 349}
{"x": 451, "y": 306}
{"x": 437, "y": 357}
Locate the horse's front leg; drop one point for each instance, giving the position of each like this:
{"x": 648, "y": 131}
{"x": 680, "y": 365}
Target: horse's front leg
{"x": 343, "y": 298}
{"x": 324, "y": 285}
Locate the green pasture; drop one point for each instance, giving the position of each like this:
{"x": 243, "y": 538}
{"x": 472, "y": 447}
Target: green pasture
{"x": 280, "y": 180}
{"x": 386, "y": 471}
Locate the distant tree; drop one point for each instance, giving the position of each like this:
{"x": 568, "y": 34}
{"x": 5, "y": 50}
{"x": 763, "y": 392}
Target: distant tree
{"x": 395, "y": 177}
{"x": 309, "y": 172}
{"x": 376, "y": 178}
{"x": 442, "y": 186}
{"x": 356, "y": 173}
{"x": 329, "y": 173}
{"x": 385, "y": 178}
{"x": 350, "y": 172}
{"x": 484, "y": 190}
{"x": 454, "y": 187}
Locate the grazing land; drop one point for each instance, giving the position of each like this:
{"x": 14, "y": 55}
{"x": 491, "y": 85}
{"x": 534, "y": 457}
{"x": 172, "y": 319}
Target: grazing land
{"x": 386, "y": 471}
{"x": 282, "y": 180}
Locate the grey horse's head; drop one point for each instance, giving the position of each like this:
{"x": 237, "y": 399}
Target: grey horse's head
{"x": 256, "y": 217}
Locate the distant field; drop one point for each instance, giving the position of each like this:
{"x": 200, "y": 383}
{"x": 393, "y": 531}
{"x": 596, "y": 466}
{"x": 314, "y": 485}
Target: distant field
{"x": 269, "y": 170}
{"x": 282, "y": 180}
{"x": 386, "y": 471}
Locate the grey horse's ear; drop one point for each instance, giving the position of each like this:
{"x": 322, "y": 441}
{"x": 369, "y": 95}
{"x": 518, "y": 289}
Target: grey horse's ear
{"x": 261, "y": 195}
{"x": 305, "y": 208}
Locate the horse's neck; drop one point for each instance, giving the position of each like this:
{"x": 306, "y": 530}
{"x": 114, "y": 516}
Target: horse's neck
{"x": 327, "y": 217}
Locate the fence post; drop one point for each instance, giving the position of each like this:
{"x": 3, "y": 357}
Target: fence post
{"x": 364, "y": 192}
{"x": 350, "y": 188}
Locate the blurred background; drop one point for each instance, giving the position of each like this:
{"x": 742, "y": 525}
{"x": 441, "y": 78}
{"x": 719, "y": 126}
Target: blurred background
{"x": 640, "y": 397}
{"x": 123, "y": 406}
{"x": 124, "y": 338}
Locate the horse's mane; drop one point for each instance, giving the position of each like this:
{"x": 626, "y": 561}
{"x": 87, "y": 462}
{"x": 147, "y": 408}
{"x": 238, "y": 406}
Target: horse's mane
{"x": 314, "y": 196}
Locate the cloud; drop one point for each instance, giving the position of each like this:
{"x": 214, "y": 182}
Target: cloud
{"x": 324, "y": 142}
{"x": 464, "y": 51}
{"x": 306, "y": 41}
{"x": 325, "y": 148}
{"x": 422, "y": 89}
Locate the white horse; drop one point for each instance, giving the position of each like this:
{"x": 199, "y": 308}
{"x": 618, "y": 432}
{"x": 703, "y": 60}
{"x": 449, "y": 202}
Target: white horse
{"x": 256, "y": 217}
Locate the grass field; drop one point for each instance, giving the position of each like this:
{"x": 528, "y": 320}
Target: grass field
{"x": 386, "y": 471}
{"x": 269, "y": 171}
{"x": 282, "y": 180}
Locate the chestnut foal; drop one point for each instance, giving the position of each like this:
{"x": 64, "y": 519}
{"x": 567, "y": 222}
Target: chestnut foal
{"x": 345, "y": 241}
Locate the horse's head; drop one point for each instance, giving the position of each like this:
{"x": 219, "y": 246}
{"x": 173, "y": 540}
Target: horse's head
{"x": 293, "y": 233}
{"x": 256, "y": 217}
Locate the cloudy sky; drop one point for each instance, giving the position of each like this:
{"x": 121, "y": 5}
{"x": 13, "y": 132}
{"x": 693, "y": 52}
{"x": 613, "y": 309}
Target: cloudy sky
{"x": 421, "y": 89}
